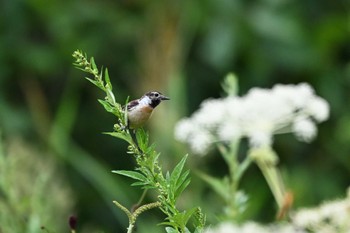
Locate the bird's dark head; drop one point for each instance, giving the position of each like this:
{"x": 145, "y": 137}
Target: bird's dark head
{"x": 155, "y": 98}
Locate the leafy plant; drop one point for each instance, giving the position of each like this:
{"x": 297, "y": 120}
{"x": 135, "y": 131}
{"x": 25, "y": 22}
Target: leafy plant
{"x": 148, "y": 173}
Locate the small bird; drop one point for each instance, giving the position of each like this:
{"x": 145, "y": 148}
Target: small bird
{"x": 140, "y": 110}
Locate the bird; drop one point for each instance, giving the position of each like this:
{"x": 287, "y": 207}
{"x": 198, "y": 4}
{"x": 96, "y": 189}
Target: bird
{"x": 140, "y": 110}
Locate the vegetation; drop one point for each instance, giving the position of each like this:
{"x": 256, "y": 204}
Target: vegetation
{"x": 183, "y": 49}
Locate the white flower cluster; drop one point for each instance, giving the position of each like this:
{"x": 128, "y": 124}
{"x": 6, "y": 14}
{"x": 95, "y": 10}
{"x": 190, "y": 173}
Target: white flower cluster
{"x": 330, "y": 217}
{"x": 252, "y": 227}
{"x": 258, "y": 115}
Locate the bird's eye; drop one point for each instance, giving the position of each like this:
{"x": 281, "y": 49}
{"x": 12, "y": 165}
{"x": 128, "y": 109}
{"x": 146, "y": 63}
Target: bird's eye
{"x": 156, "y": 94}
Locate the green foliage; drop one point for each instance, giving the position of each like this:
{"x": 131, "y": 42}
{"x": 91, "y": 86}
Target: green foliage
{"x": 263, "y": 42}
{"x": 230, "y": 84}
{"x": 148, "y": 174}
{"x": 33, "y": 194}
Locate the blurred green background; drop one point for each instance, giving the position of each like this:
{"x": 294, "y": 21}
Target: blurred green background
{"x": 183, "y": 49}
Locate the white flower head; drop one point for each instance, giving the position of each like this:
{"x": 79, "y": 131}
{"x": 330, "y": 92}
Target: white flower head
{"x": 200, "y": 142}
{"x": 331, "y": 216}
{"x": 258, "y": 139}
{"x": 305, "y": 129}
{"x": 318, "y": 108}
{"x": 227, "y": 227}
{"x": 229, "y": 131}
{"x": 258, "y": 115}
{"x": 184, "y": 129}
{"x": 210, "y": 113}
{"x": 294, "y": 95}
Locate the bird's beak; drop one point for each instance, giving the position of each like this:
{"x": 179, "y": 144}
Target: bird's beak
{"x": 162, "y": 97}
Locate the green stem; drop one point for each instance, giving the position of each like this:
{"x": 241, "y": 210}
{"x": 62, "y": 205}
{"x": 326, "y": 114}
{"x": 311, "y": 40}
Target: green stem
{"x": 272, "y": 177}
{"x": 243, "y": 166}
{"x": 130, "y": 228}
{"x": 266, "y": 159}
{"x": 142, "y": 197}
{"x": 236, "y": 171}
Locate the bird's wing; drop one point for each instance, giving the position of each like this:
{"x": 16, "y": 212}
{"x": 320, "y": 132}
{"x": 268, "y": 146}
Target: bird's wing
{"x": 132, "y": 104}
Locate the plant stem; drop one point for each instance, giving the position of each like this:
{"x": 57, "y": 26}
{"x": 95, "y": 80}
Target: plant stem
{"x": 130, "y": 228}
{"x": 266, "y": 159}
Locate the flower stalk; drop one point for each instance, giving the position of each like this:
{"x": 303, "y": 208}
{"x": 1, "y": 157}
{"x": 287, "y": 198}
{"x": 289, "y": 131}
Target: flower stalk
{"x": 256, "y": 116}
{"x": 267, "y": 160}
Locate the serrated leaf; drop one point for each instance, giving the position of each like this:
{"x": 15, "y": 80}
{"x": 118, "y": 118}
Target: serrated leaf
{"x": 131, "y": 174}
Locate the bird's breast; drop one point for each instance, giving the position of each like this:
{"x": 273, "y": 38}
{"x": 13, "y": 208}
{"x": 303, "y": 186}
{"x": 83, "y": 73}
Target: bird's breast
{"x": 138, "y": 116}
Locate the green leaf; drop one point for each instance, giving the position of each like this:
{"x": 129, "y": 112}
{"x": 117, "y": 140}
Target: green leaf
{"x": 93, "y": 64}
{"x": 107, "y": 79}
{"x": 169, "y": 223}
{"x": 182, "y": 187}
{"x": 141, "y": 183}
{"x": 96, "y": 83}
{"x": 107, "y": 106}
{"x": 122, "y": 136}
{"x": 219, "y": 186}
{"x": 142, "y": 139}
{"x": 188, "y": 214}
{"x": 182, "y": 183}
{"x": 151, "y": 148}
{"x": 175, "y": 175}
{"x": 177, "y": 171}
{"x": 78, "y": 66}
{"x": 132, "y": 174}
{"x": 171, "y": 230}
{"x": 101, "y": 74}
{"x": 180, "y": 219}
{"x": 182, "y": 178}
{"x": 230, "y": 84}
{"x": 153, "y": 158}
{"x": 110, "y": 96}
{"x": 167, "y": 176}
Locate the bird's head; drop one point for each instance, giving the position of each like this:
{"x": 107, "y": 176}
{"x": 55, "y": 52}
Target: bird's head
{"x": 154, "y": 98}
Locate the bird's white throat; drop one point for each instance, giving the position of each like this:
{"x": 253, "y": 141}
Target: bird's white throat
{"x": 145, "y": 100}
